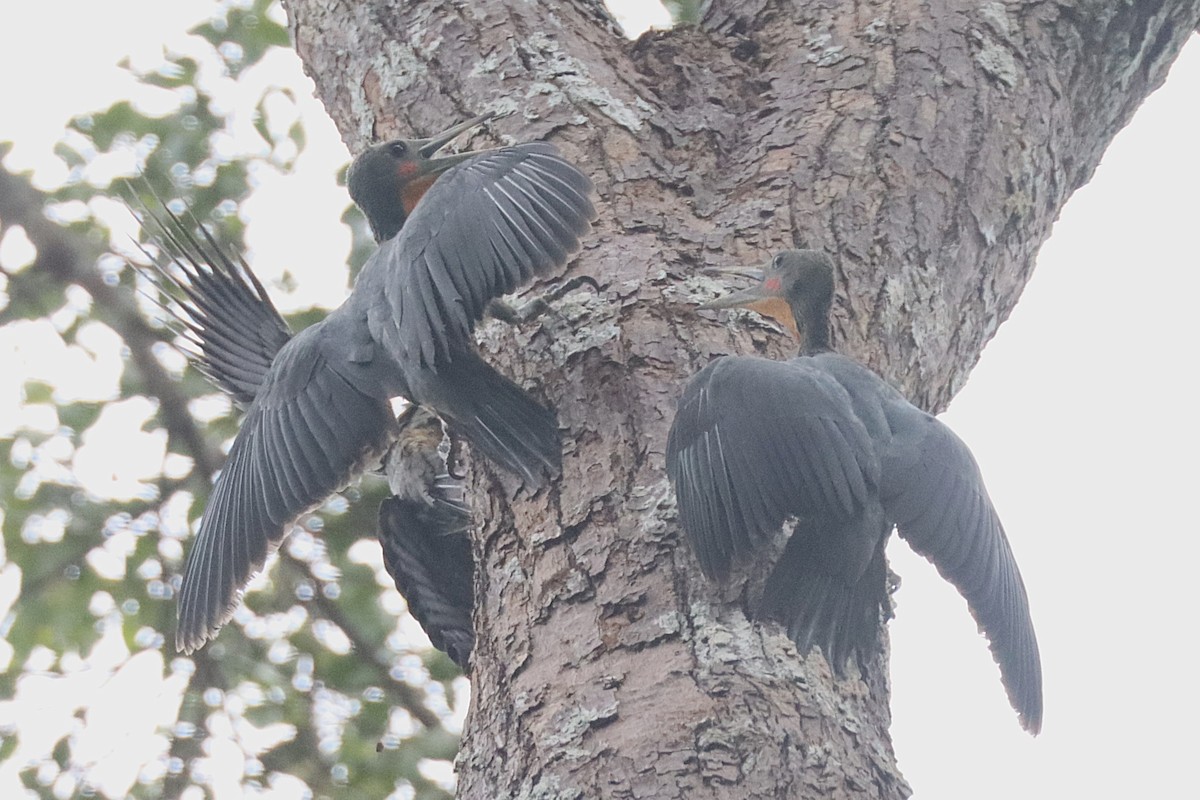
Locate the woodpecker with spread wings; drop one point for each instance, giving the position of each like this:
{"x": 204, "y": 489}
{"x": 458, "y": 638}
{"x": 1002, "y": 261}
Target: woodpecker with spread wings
{"x": 454, "y": 233}
{"x": 825, "y": 441}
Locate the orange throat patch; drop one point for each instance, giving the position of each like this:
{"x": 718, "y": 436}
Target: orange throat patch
{"x": 412, "y": 191}
{"x": 777, "y": 309}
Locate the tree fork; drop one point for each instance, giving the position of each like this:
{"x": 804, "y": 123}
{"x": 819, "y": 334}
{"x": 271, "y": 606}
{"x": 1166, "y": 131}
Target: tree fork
{"x": 928, "y": 146}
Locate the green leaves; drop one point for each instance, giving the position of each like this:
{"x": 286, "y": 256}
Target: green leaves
{"x": 243, "y": 36}
{"x": 684, "y": 12}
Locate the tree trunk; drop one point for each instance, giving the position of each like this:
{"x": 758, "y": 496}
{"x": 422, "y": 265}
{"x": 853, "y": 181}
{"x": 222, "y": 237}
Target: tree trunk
{"x": 929, "y": 146}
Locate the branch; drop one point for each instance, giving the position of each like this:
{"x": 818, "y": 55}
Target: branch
{"x": 928, "y": 146}
{"x": 208, "y": 672}
{"x": 406, "y": 694}
{"x": 65, "y": 258}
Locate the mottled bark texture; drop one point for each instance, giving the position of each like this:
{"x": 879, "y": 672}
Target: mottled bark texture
{"x": 930, "y": 146}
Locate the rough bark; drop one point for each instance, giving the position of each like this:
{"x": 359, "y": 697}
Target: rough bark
{"x": 930, "y": 146}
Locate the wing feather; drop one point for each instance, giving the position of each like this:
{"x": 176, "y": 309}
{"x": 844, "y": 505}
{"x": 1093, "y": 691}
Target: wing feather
{"x": 933, "y": 490}
{"x": 428, "y": 555}
{"x": 756, "y": 441}
{"x": 486, "y": 227}
{"x": 222, "y": 306}
{"x": 284, "y": 461}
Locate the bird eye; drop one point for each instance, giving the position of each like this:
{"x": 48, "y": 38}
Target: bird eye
{"x": 777, "y": 261}
{"x": 399, "y": 149}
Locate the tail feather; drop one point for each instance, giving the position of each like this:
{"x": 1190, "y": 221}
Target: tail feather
{"x": 496, "y": 416}
{"x": 824, "y": 604}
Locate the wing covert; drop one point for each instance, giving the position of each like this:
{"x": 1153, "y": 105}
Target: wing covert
{"x": 755, "y": 442}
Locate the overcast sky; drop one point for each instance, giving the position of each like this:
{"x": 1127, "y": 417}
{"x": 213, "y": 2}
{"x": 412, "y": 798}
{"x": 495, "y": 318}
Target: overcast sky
{"x": 1082, "y": 414}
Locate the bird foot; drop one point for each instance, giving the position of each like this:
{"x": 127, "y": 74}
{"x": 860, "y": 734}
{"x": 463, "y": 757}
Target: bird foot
{"x": 528, "y": 312}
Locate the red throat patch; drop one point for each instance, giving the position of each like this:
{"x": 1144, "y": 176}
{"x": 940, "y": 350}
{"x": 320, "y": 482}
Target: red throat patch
{"x": 411, "y": 191}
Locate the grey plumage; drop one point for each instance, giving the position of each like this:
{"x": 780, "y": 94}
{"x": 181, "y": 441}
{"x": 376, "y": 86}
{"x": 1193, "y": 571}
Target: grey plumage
{"x": 824, "y": 440}
{"x": 428, "y": 554}
{"x": 232, "y": 328}
{"x": 321, "y": 413}
{"x": 221, "y": 310}
{"x": 486, "y": 227}
{"x": 424, "y": 529}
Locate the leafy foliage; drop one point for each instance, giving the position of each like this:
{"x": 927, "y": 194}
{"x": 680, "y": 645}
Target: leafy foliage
{"x": 684, "y": 12}
{"x": 313, "y": 685}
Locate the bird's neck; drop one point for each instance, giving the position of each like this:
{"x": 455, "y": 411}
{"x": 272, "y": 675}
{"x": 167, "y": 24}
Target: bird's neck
{"x": 387, "y": 221}
{"x": 414, "y": 190}
{"x": 812, "y": 323}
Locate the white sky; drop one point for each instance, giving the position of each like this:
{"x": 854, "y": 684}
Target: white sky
{"x": 1081, "y": 414}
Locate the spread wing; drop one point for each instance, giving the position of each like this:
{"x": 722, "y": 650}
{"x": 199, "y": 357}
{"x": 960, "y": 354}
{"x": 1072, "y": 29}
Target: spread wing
{"x": 306, "y": 435}
{"x": 482, "y": 230}
{"x": 221, "y": 309}
{"x": 428, "y": 555}
{"x": 933, "y": 491}
{"x": 755, "y": 442}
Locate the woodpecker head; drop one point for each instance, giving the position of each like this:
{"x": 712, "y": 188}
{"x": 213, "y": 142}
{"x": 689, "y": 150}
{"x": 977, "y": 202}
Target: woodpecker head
{"x": 795, "y": 287}
{"x": 386, "y": 181}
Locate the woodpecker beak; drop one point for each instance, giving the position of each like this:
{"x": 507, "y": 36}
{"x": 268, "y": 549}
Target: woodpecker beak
{"x": 759, "y": 291}
{"x": 426, "y": 148}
